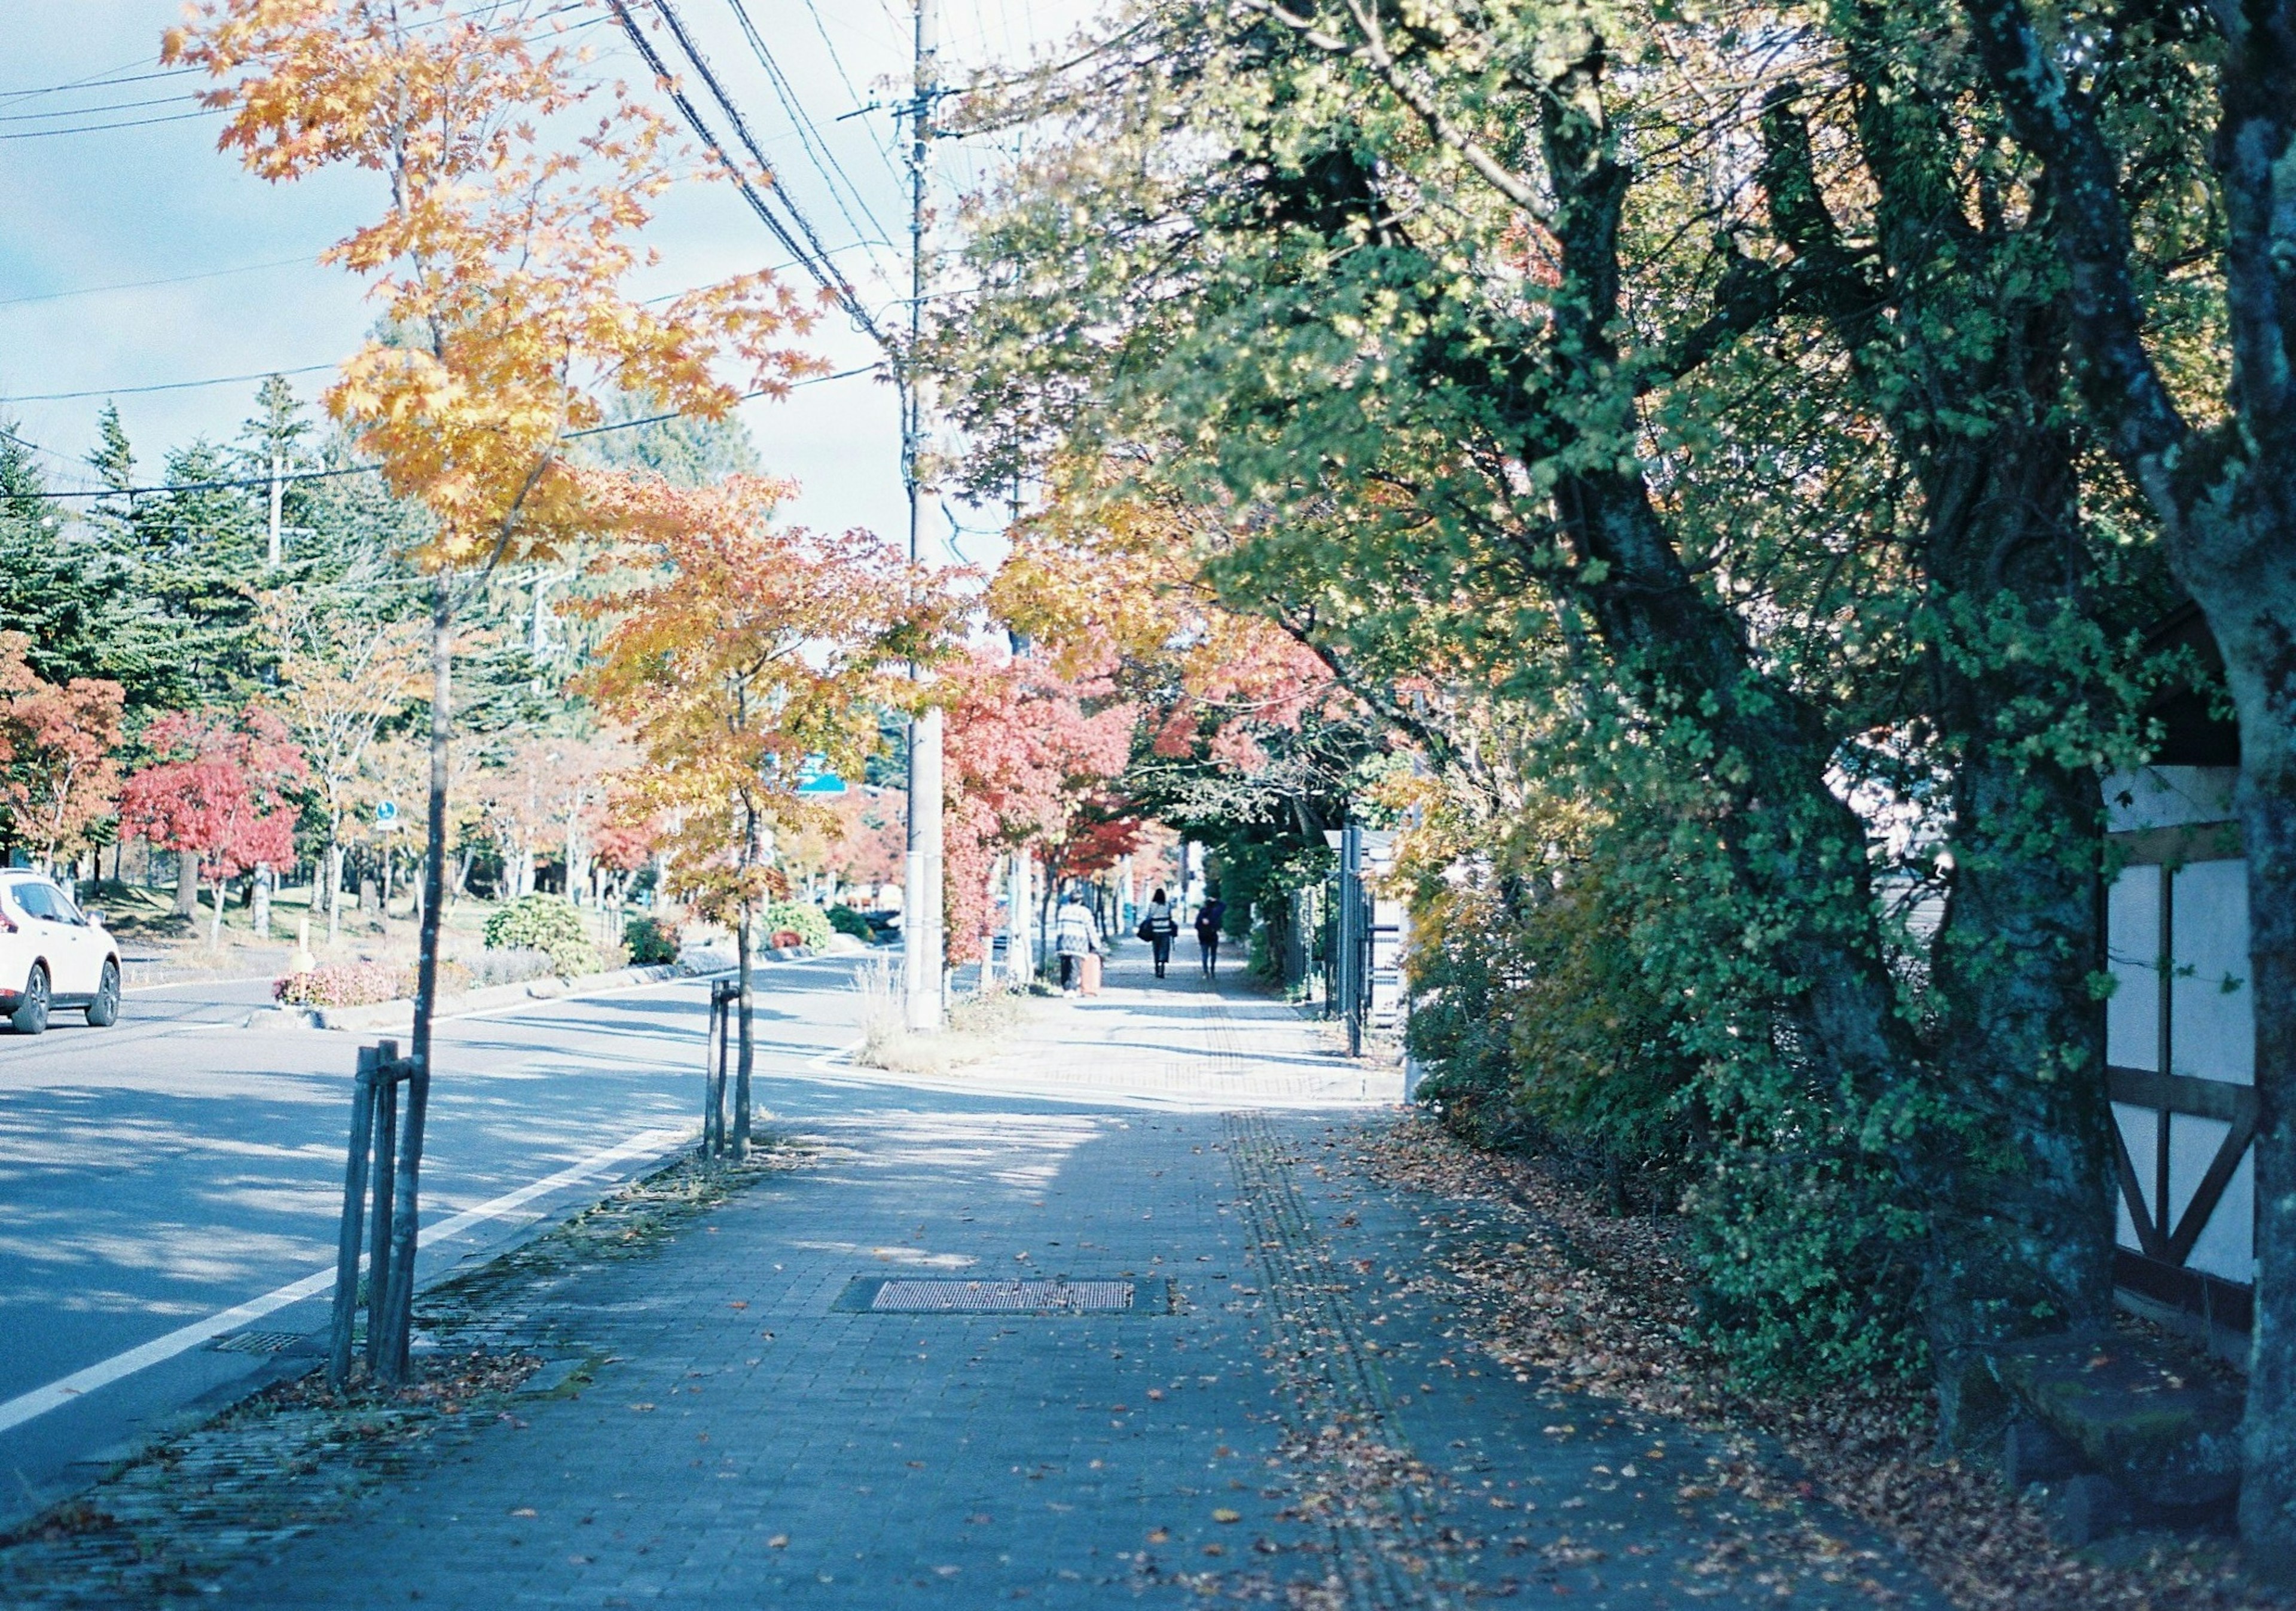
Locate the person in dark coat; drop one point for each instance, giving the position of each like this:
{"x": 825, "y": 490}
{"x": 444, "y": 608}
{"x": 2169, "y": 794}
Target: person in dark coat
{"x": 1208, "y": 930}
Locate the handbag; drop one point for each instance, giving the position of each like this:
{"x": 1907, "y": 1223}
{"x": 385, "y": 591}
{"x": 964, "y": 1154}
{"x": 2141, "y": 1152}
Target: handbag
{"x": 1147, "y": 930}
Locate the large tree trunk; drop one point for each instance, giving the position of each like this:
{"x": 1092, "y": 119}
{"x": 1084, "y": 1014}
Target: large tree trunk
{"x": 2226, "y": 499}
{"x": 406, "y": 1214}
{"x": 2023, "y": 1238}
{"x": 2268, "y": 826}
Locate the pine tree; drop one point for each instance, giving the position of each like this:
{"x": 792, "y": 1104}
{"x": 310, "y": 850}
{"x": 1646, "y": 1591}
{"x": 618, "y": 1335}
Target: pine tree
{"x": 62, "y": 590}
{"x": 198, "y": 555}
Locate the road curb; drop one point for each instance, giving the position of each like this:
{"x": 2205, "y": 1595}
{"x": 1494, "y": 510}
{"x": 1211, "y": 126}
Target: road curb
{"x": 400, "y": 1015}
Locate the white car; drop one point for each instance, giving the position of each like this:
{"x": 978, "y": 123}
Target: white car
{"x": 53, "y": 955}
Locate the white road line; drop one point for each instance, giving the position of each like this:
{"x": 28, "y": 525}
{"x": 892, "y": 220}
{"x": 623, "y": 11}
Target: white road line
{"x": 39, "y": 1400}
{"x": 253, "y": 979}
{"x": 836, "y": 1054}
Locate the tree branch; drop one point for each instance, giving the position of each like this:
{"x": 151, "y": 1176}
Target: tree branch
{"x": 2057, "y": 124}
{"x": 1447, "y": 133}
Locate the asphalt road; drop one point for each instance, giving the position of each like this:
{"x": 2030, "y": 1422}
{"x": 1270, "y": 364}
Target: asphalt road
{"x": 157, "y": 1173}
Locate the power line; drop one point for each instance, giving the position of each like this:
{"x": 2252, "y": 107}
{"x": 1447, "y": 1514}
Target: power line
{"x": 797, "y": 235}
{"x": 817, "y": 148}
{"x": 97, "y": 128}
{"x": 98, "y": 81}
{"x": 90, "y": 112}
{"x": 130, "y": 391}
{"x": 211, "y": 274}
{"x": 368, "y": 470}
{"x": 884, "y": 154}
{"x": 597, "y": 431}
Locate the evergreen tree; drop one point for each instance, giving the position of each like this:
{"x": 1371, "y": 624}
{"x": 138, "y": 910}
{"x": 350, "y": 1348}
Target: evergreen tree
{"x": 198, "y": 555}
{"x": 62, "y": 590}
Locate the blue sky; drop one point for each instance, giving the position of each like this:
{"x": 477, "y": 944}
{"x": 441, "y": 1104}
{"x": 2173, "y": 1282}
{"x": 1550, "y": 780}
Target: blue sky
{"x": 94, "y": 213}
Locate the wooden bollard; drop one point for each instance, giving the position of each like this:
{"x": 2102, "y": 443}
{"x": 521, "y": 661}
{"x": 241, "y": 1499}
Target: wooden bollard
{"x": 347, "y": 1246}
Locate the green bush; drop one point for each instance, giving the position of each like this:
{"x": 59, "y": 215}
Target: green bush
{"x": 844, "y": 920}
{"x": 545, "y": 922}
{"x": 1594, "y": 1008}
{"x": 801, "y": 917}
{"x": 652, "y": 942}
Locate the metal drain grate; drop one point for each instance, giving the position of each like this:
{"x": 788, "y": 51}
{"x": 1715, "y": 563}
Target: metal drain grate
{"x": 256, "y": 1342}
{"x": 913, "y": 1297}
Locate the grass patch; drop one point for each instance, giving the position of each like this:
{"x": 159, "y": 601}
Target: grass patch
{"x": 977, "y": 1027}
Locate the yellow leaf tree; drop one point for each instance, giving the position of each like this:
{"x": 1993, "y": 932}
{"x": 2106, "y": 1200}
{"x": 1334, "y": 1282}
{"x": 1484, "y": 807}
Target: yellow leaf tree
{"x": 518, "y": 181}
{"x": 746, "y": 651}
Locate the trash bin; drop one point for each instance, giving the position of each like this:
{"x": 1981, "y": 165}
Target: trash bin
{"x": 1088, "y": 973}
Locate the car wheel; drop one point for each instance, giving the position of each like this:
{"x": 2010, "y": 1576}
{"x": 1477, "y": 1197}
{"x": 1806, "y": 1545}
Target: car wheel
{"x": 31, "y": 1014}
{"x": 103, "y": 1012}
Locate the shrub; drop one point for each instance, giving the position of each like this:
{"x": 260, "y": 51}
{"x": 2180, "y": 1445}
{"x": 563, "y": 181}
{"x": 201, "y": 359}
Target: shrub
{"x": 651, "y": 942}
{"x": 549, "y": 923}
{"x": 344, "y": 985}
{"x": 844, "y": 920}
{"x": 802, "y": 918}
{"x": 513, "y": 966}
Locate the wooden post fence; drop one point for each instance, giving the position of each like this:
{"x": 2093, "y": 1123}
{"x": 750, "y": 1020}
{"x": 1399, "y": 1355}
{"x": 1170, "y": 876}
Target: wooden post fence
{"x": 372, "y": 1157}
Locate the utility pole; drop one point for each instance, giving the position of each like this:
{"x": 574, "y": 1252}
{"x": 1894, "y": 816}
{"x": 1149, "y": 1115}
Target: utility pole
{"x": 921, "y": 893}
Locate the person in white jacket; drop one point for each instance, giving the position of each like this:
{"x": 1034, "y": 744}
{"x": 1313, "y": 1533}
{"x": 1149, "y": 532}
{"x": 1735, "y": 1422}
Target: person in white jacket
{"x": 1157, "y": 927}
{"x": 1075, "y": 937}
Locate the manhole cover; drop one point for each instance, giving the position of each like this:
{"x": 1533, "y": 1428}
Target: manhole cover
{"x": 256, "y": 1342}
{"x": 909, "y": 1296}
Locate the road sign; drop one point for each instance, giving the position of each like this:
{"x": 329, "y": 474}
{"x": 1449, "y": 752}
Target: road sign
{"x": 385, "y": 813}
{"x": 814, "y": 777}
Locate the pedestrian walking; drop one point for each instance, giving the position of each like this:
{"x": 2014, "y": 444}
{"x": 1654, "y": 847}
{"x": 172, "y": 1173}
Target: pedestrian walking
{"x": 1208, "y": 930}
{"x": 1075, "y": 937}
{"x": 1158, "y": 928}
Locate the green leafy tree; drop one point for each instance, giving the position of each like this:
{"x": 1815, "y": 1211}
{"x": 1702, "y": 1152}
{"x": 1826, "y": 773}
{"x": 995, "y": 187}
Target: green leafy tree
{"x": 1475, "y": 384}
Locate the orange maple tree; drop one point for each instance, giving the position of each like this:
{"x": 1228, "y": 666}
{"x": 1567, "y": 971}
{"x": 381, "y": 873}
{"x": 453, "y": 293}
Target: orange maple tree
{"x": 519, "y": 181}
{"x": 747, "y": 650}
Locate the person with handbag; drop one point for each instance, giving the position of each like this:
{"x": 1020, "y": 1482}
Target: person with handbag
{"x": 1157, "y": 927}
{"x": 1074, "y": 938}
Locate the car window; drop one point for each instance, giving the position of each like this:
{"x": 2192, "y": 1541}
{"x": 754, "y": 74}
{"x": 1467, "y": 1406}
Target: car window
{"x": 34, "y": 899}
{"x": 65, "y": 910}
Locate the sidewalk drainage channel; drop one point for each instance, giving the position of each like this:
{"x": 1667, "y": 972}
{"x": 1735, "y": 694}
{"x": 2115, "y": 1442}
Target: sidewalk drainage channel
{"x": 912, "y": 1294}
{"x": 255, "y": 1342}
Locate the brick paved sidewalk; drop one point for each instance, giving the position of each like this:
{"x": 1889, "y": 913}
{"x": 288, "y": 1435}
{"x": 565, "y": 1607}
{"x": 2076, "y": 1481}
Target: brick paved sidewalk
{"x": 1179, "y": 1043}
{"x": 1285, "y": 1415}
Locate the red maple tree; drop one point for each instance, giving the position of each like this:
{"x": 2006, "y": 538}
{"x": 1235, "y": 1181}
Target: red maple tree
{"x": 217, "y": 793}
{"x": 1033, "y": 754}
{"x": 57, "y": 773}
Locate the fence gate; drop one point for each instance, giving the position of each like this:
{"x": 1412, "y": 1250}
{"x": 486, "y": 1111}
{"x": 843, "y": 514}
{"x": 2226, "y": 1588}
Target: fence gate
{"x": 2180, "y": 1044}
